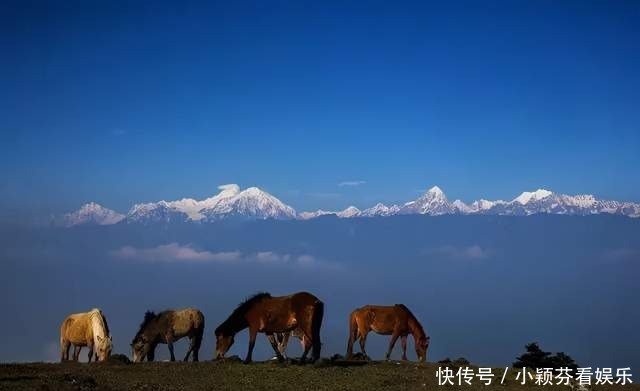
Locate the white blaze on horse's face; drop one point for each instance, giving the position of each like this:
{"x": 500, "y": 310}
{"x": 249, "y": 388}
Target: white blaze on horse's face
{"x": 223, "y": 344}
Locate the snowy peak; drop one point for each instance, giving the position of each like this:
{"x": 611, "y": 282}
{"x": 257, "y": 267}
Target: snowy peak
{"x": 192, "y": 208}
{"x": 436, "y": 192}
{"x": 461, "y": 207}
{"x": 527, "y": 196}
{"x": 227, "y": 190}
{"x": 434, "y": 202}
{"x": 313, "y": 215}
{"x": 351, "y": 211}
{"x": 92, "y": 213}
{"x": 482, "y": 205}
{"x": 380, "y": 209}
{"x": 251, "y": 203}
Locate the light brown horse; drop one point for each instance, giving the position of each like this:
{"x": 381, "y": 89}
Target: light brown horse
{"x": 396, "y": 321}
{"x": 88, "y": 329}
{"x": 267, "y": 314}
{"x": 168, "y": 327}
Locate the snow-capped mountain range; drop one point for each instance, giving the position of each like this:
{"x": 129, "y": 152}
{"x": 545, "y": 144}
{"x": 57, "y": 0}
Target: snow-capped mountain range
{"x": 92, "y": 213}
{"x": 254, "y": 203}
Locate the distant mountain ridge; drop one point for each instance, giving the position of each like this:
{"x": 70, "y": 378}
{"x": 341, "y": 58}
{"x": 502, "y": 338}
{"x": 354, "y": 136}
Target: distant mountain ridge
{"x": 253, "y": 203}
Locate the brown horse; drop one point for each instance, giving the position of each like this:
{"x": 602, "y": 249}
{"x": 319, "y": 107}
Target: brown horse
{"x": 168, "y": 327}
{"x": 267, "y": 314}
{"x": 396, "y": 321}
{"x": 85, "y": 329}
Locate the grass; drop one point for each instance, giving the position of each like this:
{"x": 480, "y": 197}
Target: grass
{"x": 232, "y": 375}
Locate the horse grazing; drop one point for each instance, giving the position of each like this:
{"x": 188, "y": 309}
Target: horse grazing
{"x": 396, "y": 321}
{"x": 86, "y": 329}
{"x": 267, "y": 314}
{"x": 168, "y": 327}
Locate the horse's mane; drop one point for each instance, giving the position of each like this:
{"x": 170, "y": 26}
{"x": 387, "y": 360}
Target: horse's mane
{"x": 104, "y": 322}
{"x": 102, "y": 318}
{"x": 148, "y": 317}
{"x": 236, "y": 316}
{"x": 412, "y": 316}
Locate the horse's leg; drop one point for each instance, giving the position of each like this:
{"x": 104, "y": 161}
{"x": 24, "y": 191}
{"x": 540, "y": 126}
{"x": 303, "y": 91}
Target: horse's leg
{"x": 196, "y": 346}
{"x": 363, "y": 341}
{"x": 275, "y": 347}
{"x": 90, "y": 356}
{"x": 392, "y": 342}
{"x": 403, "y": 340}
{"x": 64, "y": 348}
{"x": 253, "y": 333}
{"x": 307, "y": 344}
{"x": 191, "y": 341}
{"x": 307, "y": 340}
{"x": 76, "y": 352}
{"x": 170, "y": 346}
{"x": 353, "y": 337}
{"x": 282, "y": 346}
{"x": 151, "y": 354}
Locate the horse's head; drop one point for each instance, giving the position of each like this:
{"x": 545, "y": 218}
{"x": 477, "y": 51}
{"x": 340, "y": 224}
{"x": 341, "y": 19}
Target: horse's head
{"x": 223, "y": 343}
{"x": 140, "y": 347}
{"x": 104, "y": 347}
{"x": 422, "y": 345}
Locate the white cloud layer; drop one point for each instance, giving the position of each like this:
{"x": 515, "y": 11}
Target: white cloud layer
{"x": 174, "y": 252}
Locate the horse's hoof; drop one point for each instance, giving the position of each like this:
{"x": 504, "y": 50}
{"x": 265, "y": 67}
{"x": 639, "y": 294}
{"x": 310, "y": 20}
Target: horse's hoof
{"x": 246, "y": 362}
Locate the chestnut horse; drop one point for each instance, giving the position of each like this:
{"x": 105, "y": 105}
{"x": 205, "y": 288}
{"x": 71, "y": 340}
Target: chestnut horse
{"x": 168, "y": 327}
{"x": 396, "y": 321}
{"x": 267, "y": 314}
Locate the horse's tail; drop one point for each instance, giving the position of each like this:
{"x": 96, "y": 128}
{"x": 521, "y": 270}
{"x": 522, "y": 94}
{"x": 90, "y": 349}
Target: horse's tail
{"x": 316, "y": 323}
{"x": 199, "y": 327}
{"x": 353, "y": 324}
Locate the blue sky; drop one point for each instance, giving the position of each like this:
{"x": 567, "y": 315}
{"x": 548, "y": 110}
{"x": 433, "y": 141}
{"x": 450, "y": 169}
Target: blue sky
{"x": 122, "y": 102}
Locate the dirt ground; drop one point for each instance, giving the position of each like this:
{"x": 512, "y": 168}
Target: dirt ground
{"x": 233, "y": 375}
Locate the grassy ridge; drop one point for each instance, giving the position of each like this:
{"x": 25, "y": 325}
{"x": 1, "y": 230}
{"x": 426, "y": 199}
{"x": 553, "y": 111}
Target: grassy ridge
{"x": 232, "y": 375}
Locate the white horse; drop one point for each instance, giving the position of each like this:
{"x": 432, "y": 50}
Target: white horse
{"x": 86, "y": 329}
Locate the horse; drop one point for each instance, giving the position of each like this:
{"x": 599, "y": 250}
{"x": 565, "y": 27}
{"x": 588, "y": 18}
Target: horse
{"x": 167, "y": 327}
{"x": 282, "y": 340}
{"x": 268, "y": 314}
{"x": 395, "y": 320}
{"x": 86, "y": 329}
